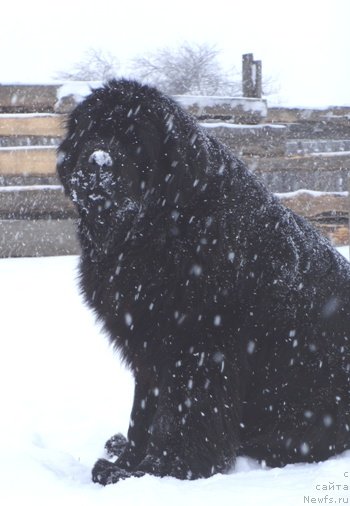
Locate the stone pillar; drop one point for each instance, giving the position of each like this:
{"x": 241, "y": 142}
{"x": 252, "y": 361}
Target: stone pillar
{"x": 251, "y": 76}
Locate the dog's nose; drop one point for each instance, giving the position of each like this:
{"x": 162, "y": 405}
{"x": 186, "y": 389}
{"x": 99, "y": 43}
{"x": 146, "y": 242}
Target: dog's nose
{"x": 101, "y": 158}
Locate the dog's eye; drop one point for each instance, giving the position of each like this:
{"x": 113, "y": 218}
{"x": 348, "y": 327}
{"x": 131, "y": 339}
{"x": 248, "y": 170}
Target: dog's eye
{"x": 101, "y": 158}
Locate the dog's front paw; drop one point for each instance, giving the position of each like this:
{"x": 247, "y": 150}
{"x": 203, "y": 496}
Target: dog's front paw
{"x": 106, "y": 473}
{"x": 115, "y": 445}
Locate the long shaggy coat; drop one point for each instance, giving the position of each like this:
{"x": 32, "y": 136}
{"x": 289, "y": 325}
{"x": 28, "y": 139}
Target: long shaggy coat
{"x": 232, "y": 312}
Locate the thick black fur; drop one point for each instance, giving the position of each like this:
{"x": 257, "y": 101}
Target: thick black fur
{"x": 232, "y": 312}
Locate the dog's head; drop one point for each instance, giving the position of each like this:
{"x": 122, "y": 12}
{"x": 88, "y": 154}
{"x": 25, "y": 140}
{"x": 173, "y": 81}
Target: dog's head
{"x": 129, "y": 149}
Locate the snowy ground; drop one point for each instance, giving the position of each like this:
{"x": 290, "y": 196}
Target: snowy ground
{"x": 63, "y": 393}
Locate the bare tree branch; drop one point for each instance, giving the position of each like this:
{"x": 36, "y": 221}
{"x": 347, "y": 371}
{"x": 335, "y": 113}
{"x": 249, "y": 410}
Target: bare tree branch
{"x": 186, "y": 70}
{"x": 97, "y": 65}
{"x": 189, "y": 69}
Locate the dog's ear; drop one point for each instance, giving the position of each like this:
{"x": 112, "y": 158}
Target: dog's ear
{"x": 173, "y": 153}
{"x": 65, "y": 158}
{"x": 184, "y": 160}
{"x": 69, "y": 149}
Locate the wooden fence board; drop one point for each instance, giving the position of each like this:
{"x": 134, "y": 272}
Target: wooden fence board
{"x": 48, "y": 125}
{"x": 31, "y": 160}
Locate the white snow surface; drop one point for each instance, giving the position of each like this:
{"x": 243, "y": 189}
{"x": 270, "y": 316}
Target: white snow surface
{"x": 64, "y": 393}
{"x": 31, "y": 188}
{"x": 311, "y": 193}
{"x": 78, "y": 89}
{"x": 26, "y": 148}
{"x": 240, "y": 126}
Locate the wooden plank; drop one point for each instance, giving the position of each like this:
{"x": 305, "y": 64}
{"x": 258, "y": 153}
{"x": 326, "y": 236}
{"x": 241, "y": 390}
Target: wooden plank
{"x": 49, "y": 200}
{"x": 34, "y": 202}
{"x": 258, "y": 140}
{"x": 239, "y": 110}
{"x": 41, "y": 220}
{"x": 307, "y": 163}
{"x": 33, "y": 238}
{"x": 44, "y": 125}
{"x": 32, "y": 160}
{"x": 312, "y": 204}
{"x": 339, "y": 235}
{"x": 297, "y": 114}
{"x": 28, "y": 97}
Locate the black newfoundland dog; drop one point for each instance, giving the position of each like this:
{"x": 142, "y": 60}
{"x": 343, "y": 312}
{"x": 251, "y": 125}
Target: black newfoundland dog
{"x": 232, "y": 312}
